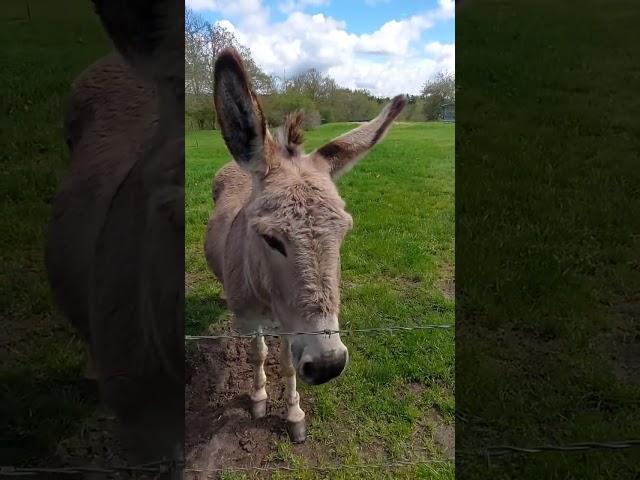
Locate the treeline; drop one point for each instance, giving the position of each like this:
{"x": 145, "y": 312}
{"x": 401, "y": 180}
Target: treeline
{"x": 318, "y": 95}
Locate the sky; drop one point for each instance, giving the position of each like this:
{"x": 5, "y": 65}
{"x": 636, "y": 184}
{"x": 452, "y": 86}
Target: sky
{"x": 388, "y": 47}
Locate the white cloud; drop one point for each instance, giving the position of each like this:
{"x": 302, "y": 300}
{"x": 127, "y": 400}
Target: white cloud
{"x": 252, "y": 13}
{"x": 289, "y": 6}
{"x": 387, "y": 61}
{"x": 441, "y": 51}
{"x": 199, "y": 5}
{"x": 400, "y": 75}
{"x": 446, "y": 10}
{"x": 395, "y": 36}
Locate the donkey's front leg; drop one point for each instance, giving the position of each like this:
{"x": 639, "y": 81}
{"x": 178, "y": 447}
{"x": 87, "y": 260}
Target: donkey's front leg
{"x": 295, "y": 415}
{"x": 259, "y": 395}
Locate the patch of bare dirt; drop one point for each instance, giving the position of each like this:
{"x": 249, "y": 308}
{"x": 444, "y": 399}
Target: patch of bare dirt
{"x": 221, "y": 434}
{"x": 432, "y": 424}
{"x": 94, "y": 444}
{"x": 623, "y": 347}
{"x": 98, "y": 444}
{"x": 414, "y": 389}
{"x": 443, "y": 434}
{"x": 191, "y": 279}
{"x": 447, "y": 284}
{"x": 622, "y": 344}
{"x": 220, "y": 431}
{"x": 626, "y": 362}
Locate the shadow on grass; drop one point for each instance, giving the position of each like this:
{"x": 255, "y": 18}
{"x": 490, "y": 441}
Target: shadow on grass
{"x": 56, "y": 403}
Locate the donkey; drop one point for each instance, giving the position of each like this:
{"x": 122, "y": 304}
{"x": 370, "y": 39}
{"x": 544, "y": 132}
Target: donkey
{"x": 274, "y": 237}
{"x": 114, "y": 253}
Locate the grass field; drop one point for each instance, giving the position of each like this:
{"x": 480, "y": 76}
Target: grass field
{"x": 42, "y": 399}
{"x": 547, "y": 236}
{"x": 397, "y": 266}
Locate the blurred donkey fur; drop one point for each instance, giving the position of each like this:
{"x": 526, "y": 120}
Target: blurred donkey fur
{"x": 115, "y": 252}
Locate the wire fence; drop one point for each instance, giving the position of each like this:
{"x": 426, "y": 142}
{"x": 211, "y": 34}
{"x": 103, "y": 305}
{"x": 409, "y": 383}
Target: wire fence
{"x": 319, "y": 468}
{"x": 167, "y": 467}
{"x": 159, "y": 468}
{"x": 326, "y": 332}
{"x": 164, "y": 468}
{"x": 500, "y": 450}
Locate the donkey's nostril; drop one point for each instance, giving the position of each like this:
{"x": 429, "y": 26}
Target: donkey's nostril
{"x": 308, "y": 370}
{"x": 319, "y": 372}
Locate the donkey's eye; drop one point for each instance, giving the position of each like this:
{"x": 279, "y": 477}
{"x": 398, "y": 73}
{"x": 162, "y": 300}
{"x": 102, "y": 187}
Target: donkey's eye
{"x": 275, "y": 244}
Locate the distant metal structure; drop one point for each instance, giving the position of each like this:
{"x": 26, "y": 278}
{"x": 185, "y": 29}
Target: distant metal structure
{"x": 448, "y": 112}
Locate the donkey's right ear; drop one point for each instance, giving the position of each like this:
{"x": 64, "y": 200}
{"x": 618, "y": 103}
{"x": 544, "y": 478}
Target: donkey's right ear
{"x": 240, "y": 116}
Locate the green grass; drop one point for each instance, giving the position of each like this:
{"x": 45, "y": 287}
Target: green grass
{"x": 547, "y": 247}
{"x": 41, "y": 397}
{"x": 401, "y": 197}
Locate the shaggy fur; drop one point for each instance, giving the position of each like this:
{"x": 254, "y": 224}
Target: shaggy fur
{"x": 114, "y": 251}
{"x": 274, "y": 237}
{"x": 274, "y": 189}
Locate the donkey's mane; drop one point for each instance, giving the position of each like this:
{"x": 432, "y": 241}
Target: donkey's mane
{"x": 290, "y": 135}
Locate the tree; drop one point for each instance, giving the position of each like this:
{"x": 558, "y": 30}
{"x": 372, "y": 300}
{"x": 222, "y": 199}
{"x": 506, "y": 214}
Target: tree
{"x": 219, "y": 38}
{"x": 195, "y": 62}
{"x": 203, "y": 43}
{"x": 439, "y": 90}
{"x": 199, "y": 112}
{"x": 311, "y": 83}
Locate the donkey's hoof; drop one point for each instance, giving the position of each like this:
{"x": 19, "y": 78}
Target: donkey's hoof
{"x": 297, "y": 431}
{"x": 259, "y": 408}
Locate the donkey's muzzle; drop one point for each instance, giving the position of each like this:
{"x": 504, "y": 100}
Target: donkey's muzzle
{"x": 321, "y": 371}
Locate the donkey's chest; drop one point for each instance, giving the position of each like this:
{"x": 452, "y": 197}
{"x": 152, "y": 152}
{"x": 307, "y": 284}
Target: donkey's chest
{"x": 253, "y": 319}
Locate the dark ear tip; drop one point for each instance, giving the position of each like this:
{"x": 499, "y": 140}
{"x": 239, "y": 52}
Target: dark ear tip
{"x": 229, "y": 58}
{"x": 229, "y": 53}
{"x": 397, "y": 105}
{"x": 400, "y": 101}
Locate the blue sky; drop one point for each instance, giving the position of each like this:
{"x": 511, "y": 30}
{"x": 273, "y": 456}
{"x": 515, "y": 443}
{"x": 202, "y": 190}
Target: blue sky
{"x": 363, "y": 16}
{"x": 385, "y": 46}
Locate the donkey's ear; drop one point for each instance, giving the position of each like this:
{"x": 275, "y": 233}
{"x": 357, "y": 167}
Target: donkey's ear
{"x": 149, "y": 34}
{"x": 343, "y": 152}
{"x": 240, "y": 116}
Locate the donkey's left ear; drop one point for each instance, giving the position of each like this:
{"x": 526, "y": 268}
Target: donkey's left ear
{"x": 242, "y": 122}
{"x": 342, "y": 153}
{"x": 149, "y": 34}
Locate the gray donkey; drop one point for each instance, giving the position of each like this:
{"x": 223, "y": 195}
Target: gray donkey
{"x": 274, "y": 237}
{"x": 115, "y": 252}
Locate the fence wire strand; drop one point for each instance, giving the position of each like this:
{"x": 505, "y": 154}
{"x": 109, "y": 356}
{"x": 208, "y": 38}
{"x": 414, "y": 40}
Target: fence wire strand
{"x": 159, "y": 467}
{"x": 327, "y": 332}
{"x": 319, "y": 468}
{"x": 499, "y": 450}
{"x": 166, "y": 466}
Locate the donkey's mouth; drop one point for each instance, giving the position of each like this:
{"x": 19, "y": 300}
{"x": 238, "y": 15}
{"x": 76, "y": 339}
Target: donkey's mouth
{"x": 317, "y": 372}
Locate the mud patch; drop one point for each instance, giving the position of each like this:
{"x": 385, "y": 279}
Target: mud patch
{"x": 432, "y": 424}
{"x": 625, "y": 359}
{"x": 98, "y": 444}
{"x": 413, "y": 389}
{"x": 442, "y": 434}
{"x": 447, "y": 284}
{"x": 192, "y": 279}
{"x": 220, "y": 432}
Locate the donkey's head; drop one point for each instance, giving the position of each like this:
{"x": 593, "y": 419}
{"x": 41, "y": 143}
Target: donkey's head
{"x": 149, "y": 34}
{"x": 296, "y": 220}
